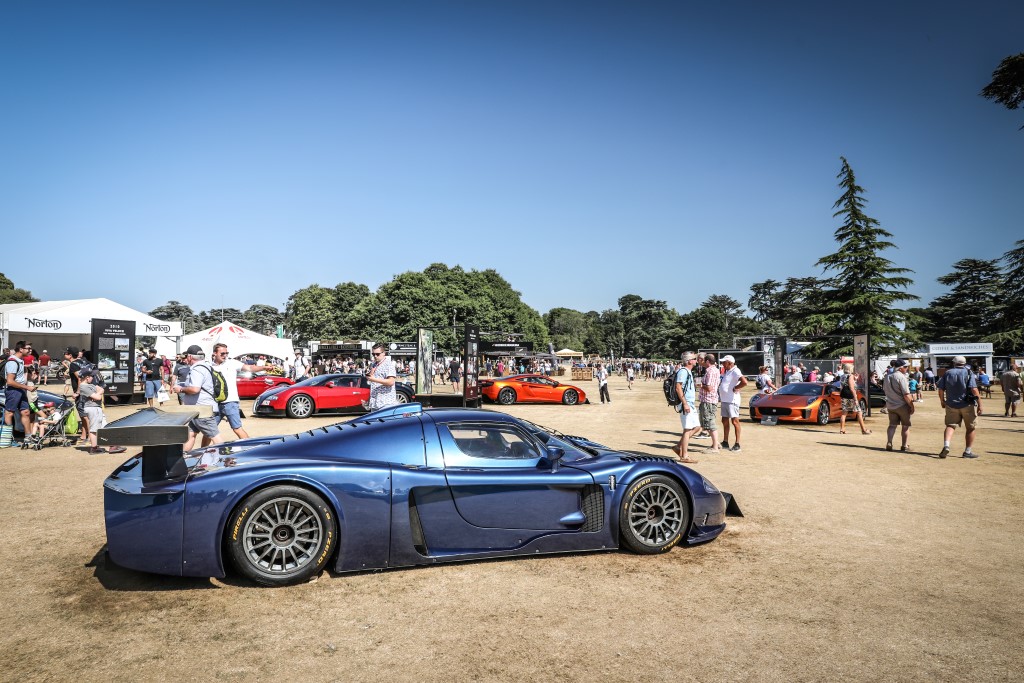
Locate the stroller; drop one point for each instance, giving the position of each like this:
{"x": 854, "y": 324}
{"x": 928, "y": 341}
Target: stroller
{"x": 61, "y": 427}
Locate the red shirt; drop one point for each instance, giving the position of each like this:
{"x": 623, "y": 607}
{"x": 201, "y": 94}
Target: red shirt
{"x": 29, "y": 359}
{"x": 44, "y": 360}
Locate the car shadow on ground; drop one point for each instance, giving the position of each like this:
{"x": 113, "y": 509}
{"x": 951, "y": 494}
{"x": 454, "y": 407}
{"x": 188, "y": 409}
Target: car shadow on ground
{"x": 116, "y": 578}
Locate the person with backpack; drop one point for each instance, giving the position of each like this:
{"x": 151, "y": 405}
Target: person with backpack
{"x": 300, "y": 366}
{"x": 16, "y": 396}
{"x": 686, "y": 394}
{"x": 960, "y": 399}
{"x": 229, "y": 408}
{"x": 198, "y": 389}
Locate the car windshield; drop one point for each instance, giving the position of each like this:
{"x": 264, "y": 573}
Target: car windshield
{"x": 317, "y": 381}
{"x": 800, "y": 389}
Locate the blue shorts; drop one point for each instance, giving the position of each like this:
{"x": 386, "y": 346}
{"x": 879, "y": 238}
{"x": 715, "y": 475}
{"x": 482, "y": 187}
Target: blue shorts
{"x": 152, "y": 387}
{"x": 16, "y": 401}
{"x": 230, "y": 410}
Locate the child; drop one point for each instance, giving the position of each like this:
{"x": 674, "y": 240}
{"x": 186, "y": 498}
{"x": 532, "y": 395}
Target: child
{"x": 914, "y": 389}
{"x": 44, "y": 420}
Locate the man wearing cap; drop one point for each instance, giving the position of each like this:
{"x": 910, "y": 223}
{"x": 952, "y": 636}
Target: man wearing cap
{"x": 899, "y": 403}
{"x": 687, "y": 408}
{"x": 44, "y": 366}
{"x": 958, "y": 395}
{"x": 151, "y": 374}
{"x": 229, "y": 409}
{"x": 729, "y": 393}
{"x": 197, "y": 389}
{"x": 301, "y": 366}
{"x": 16, "y": 397}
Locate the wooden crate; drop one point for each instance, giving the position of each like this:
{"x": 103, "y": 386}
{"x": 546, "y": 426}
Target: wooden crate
{"x": 582, "y": 374}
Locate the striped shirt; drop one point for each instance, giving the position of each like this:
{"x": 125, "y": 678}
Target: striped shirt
{"x": 709, "y": 385}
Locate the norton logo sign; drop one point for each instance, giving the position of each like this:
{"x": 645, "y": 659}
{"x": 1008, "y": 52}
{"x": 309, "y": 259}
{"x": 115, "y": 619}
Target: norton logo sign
{"x": 157, "y": 328}
{"x": 46, "y": 324}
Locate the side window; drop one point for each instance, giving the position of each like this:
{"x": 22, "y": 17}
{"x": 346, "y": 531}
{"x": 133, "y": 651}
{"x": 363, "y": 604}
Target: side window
{"x": 345, "y": 382}
{"x": 463, "y": 443}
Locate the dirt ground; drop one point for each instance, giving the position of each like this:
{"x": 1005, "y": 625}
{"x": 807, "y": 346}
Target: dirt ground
{"x": 851, "y": 563}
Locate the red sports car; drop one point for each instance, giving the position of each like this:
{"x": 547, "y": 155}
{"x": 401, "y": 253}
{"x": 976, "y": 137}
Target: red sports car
{"x": 530, "y": 389}
{"x": 801, "y": 402}
{"x": 336, "y": 393}
{"x": 251, "y": 385}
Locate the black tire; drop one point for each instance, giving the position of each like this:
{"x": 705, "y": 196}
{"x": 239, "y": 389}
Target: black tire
{"x": 863, "y": 407}
{"x": 300, "y": 405}
{"x": 654, "y": 516}
{"x": 823, "y": 413}
{"x": 507, "y": 396}
{"x": 570, "y": 397}
{"x": 281, "y": 536}
{"x": 753, "y": 416}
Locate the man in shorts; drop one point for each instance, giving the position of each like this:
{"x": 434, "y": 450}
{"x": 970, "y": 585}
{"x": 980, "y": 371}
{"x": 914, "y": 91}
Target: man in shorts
{"x": 1013, "y": 387}
{"x": 16, "y": 397}
{"x": 687, "y": 407}
{"x": 151, "y": 368}
{"x": 229, "y": 409}
{"x": 709, "y": 400}
{"x": 899, "y": 401}
{"x": 197, "y": 389}
{"x": 957, "y": 388}
{"x": 729, "y": 393}
{"x": 92, "y": 403}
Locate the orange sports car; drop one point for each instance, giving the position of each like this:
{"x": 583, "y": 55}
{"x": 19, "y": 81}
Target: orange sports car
{"x": 530, "y": 389}
{"x": 814, "y": 402}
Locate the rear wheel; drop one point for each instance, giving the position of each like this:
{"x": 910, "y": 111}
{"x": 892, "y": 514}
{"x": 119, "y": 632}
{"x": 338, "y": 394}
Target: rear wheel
{"x": 570, "y": 397}
{"x": 402, "y": 397}
{"x": 281, "y": 535}
{"x": 753, "y": 415}
{"x": 300, "y": 405}
{"x": 507, "y": 396}
{"x": 823, "y": 414}
{"x": 654, "y": 516}
{"x": 863, "y": 407}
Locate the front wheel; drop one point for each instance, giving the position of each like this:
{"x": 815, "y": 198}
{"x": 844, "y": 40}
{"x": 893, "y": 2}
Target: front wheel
{"x": 281, "y": 536}
{"x": 823, "y": 414}
{"x": 507, "y": 396}
{"x": 299, "y": 405}
{"x": 402, "y": 397}
{"x": 570, "y": 397}
{"x": 654, "y": 515}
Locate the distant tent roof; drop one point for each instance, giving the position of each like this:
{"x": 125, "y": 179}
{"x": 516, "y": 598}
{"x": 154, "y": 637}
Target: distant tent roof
{"x": 74, "y": 316}
{"x": 568, "y": 353}
{"x": 239, "y": 340}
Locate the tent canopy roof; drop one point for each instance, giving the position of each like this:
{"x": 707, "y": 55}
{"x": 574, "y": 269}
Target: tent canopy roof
{"x": 74, "y": 316}
{"x": 240, "y": 341}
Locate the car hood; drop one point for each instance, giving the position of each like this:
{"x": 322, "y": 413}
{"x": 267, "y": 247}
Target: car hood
{"x": 785, "y": 401}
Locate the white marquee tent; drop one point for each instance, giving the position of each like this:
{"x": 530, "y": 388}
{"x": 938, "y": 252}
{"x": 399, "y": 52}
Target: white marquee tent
{"x": 239, "y": 340}
{"x": 55, "y": 325}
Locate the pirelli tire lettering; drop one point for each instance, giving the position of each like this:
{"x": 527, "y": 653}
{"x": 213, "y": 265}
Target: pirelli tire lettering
{"x": 655, "y": 515}
{"x": 281, "y": 535}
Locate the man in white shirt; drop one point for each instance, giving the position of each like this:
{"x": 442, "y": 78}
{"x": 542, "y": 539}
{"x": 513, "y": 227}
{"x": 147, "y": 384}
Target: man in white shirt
{"x": 229, "y": 367}
{"x": 729, "y": 393}
{"x": 301, "y": 366}
{"x": 382, "y": 377}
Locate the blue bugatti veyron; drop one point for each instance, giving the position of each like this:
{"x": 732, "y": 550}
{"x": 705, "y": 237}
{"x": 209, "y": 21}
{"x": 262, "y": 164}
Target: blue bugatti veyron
{"x": 398, "y": 487}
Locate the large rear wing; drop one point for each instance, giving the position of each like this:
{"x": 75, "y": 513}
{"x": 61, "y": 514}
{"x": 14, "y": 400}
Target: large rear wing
{"x": 161, "y": 432}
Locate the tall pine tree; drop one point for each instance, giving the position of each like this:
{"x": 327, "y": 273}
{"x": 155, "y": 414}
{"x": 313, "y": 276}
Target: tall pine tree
{"x": 864, "y": 288}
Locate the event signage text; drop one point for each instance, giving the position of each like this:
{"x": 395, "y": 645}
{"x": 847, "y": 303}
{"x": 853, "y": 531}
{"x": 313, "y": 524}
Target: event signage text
{"x": 112, "y": 344}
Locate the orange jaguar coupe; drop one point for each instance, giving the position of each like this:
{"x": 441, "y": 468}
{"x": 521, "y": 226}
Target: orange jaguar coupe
{"x": 530, "y": 389}
{"x": 813, "y": 402}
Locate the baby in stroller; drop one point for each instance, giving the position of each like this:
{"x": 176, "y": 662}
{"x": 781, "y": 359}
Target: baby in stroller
{"x": 51, "y": 425}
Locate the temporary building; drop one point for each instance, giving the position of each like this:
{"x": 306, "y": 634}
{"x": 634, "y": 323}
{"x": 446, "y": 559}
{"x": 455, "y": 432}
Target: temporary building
{"x": 55, "y": 325}
{"x": 239, "y": 340}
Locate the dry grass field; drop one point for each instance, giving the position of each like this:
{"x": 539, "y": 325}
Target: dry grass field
{"x": 851, "y": 563}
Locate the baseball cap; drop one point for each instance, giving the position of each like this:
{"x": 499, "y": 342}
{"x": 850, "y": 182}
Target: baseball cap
{"x": 959, "y": 360}
{"x": 85, "y": 373}
{"x": 72, "y": 350}
{"x": 900, "y": 363}
{"x": 728, "y": 359}
{"x": 152, "y": 350}
{"x": 196, "y": 350}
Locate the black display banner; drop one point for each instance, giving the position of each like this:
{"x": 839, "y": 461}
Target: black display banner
{"x": 113, "y": 342}
{"x": 520, "y": 348}
{"x": 472, "y": 348}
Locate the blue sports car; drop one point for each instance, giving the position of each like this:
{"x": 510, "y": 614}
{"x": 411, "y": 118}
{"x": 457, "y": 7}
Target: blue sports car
{"x": 399, "y": 487}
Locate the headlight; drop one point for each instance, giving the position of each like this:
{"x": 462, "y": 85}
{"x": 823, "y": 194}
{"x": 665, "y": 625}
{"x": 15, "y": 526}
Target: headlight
{"x": 811, "y": 399}
{"x": 755, "y": 398}
{"x": 708, "y": 486}
{"x": 270, "y": 399}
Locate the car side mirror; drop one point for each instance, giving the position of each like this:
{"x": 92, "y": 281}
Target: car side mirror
{"x": 554, "y": 456}
{"x": 329, "y": 385}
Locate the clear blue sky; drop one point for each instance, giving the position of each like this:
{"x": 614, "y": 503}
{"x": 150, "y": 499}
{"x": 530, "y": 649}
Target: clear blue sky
{"x": 224, "y": 153}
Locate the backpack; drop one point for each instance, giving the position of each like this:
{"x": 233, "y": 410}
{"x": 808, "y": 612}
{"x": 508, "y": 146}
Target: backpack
{"x": 97, "y": 378}
{"x": 3, "y": 372}
{"x": 669, "y": 387}
{"x": 220, "y": 385}
{"x": 760, "y": 382}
